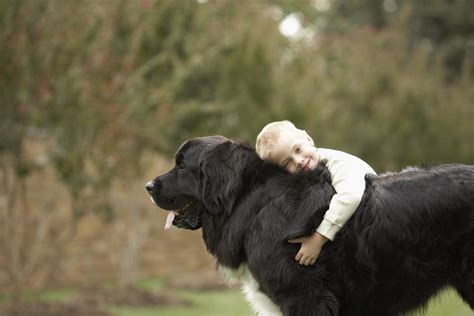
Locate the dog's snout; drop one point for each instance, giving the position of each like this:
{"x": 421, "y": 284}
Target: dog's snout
{"x": 150, "y": 186}
{"x": 153, "y": 186}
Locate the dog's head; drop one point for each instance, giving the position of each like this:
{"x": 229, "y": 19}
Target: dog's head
{"x": 206, "y": 177}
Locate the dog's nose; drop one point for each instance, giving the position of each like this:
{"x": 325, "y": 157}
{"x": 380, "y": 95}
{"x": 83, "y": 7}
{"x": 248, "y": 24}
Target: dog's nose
{"x": 150, "y": 186}
{"x": 153, "y": 186}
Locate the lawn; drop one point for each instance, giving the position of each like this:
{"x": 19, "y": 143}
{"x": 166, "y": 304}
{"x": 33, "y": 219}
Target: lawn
{"x": 230, "y": 302}
{"x": 207, "y": 303}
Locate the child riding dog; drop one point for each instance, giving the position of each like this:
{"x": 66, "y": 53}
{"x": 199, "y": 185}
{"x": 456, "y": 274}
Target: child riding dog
{"x": 293, "y": 149}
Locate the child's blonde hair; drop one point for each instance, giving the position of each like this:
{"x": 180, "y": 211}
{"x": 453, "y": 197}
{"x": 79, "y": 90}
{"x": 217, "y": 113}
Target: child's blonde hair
{"x": 270, "y": 134}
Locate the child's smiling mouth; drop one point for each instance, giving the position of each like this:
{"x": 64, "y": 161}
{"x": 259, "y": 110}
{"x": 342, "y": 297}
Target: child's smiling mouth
{"x": 306, "y": 166}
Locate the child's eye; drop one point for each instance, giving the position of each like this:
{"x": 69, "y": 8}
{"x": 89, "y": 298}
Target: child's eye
{"x": 297, "y": 149}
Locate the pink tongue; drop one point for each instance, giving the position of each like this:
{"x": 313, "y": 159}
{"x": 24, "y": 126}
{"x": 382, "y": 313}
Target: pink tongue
{"x": 169, "y": 219}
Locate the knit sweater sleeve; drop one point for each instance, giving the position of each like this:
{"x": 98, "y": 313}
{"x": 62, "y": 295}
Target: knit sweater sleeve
{"x": 348, "y": 179}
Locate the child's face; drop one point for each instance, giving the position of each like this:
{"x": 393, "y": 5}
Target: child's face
{"x": 294, "y": 152}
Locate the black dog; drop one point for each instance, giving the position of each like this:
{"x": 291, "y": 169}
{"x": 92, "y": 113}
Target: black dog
{"x": 412, "y": 235}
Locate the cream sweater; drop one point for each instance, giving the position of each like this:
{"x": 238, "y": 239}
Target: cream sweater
{"x": 347, "y": 175}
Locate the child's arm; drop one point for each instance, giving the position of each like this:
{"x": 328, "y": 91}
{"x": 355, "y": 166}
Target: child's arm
{"x": 310, "y": 248}
{"x": 348, "y": 179}
{"x": 343, "y": 204}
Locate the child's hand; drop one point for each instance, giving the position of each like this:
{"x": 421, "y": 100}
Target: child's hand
{"x": 310, "y": 248}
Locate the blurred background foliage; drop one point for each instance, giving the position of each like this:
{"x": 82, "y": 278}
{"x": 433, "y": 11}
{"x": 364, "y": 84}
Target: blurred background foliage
{"x": 103, "y": 84}
{"x": 388, "y": 80}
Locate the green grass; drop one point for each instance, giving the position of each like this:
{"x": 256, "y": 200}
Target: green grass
{"x": 232, "y": 303}
{"x": 153, "y": 284}
{"x": 206, "y": 303}
{"x": 229, "y": 302}
{"x": 447, "y": 303}
{"x": 57, "y": 295}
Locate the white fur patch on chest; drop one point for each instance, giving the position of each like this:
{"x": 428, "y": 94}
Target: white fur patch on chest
{"x": 260, "y": 303}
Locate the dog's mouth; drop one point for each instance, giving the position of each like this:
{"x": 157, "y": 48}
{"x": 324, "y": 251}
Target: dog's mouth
{"x": 187, "y": 217}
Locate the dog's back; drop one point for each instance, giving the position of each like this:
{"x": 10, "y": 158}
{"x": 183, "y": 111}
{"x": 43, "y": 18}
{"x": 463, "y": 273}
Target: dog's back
{"x": 438, "y": 201}
{"x": 411, "y": 236}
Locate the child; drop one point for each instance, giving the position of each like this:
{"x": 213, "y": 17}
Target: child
{"x": 292, "y": 149}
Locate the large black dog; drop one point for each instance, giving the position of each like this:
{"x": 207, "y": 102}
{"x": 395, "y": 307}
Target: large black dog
{"x": 412, "y": 235}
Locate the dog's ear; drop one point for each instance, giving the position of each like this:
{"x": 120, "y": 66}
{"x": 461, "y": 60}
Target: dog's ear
{"x": 220, "y": 177}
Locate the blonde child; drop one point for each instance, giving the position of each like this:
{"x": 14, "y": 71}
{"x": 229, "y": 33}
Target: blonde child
{"x": 293, "y": 149}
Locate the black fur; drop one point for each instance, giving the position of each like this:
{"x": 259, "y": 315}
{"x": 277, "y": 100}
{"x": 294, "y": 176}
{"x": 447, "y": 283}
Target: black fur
{"x": 412, "y": 235}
